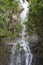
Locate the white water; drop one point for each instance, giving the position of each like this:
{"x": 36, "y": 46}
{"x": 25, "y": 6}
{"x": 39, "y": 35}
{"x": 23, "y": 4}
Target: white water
{"x": 26, "y": 57}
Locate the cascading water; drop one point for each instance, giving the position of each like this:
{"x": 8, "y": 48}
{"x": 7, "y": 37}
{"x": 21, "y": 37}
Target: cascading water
{"x": 21, "y": 55}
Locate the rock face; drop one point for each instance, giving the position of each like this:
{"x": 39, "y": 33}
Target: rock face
{"x": 34, "y": 40}
{"x": 36, "y": 49}
{"x": 22, "y": 53}
{"x": 14, "y": 17}
{"x": 13, "y": 20}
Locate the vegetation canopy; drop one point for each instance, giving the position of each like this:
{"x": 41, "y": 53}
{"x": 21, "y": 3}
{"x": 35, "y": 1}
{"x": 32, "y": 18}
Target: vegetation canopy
{"x": 8, "y": 26}
{"x": 35, "y": 18}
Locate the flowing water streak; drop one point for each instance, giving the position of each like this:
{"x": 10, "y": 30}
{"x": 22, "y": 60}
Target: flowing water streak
{"x": 27, "y": 55}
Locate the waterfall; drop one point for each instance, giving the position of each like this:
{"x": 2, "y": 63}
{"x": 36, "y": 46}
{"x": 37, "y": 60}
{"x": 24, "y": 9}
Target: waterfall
{"x": 21, "y": 55}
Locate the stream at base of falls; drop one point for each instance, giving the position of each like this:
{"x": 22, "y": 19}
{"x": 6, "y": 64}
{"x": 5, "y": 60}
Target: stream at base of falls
{"x": 20, "y": 52}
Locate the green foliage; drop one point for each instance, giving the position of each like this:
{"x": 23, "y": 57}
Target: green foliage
{"x": 6, "y": 5}
{"x": 14, "y": 31}
{"x": 7, "y": 8}
{"x": 35, "y": 17}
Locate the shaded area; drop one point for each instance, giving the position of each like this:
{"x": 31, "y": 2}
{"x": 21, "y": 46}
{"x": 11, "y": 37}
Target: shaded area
{"x": 36, "y": 49}
{"x": 5, "y": 54}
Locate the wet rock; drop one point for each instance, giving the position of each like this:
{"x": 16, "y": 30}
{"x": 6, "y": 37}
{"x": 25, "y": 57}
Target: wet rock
{"x": 34, "y": 41}
{"x": 36, "y": 49}
{"x": 37, "y": 60}
{"x": 23, "y": 0}
{"x": 34, "y": 38}
{"x": 22, "y": 53}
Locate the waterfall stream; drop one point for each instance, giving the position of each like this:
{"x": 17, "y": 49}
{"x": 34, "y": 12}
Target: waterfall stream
{"x": 21, "y": 55}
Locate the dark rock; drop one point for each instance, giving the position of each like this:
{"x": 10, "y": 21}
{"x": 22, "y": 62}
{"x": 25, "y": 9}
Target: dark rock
{"x": 36, "y": 49}
{"x": 22, "y": 53}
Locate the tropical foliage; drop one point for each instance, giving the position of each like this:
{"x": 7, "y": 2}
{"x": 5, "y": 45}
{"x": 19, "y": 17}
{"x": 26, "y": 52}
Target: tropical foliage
{"x": 35, "y": 17}
{"x": 7, "y": 8}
